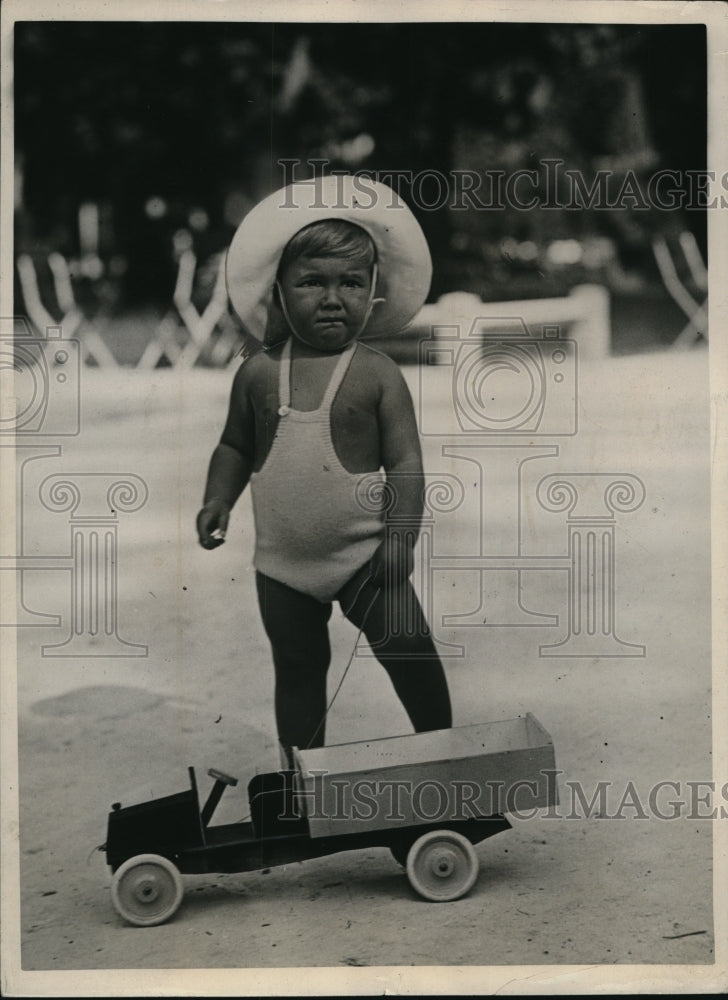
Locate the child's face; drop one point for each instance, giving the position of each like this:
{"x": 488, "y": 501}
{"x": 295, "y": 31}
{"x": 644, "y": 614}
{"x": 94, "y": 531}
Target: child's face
{"x": 327, "y": 300}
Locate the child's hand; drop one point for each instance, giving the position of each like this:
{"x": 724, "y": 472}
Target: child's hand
{"x": 393, "y": 561}
{"x": 212, "y": 522}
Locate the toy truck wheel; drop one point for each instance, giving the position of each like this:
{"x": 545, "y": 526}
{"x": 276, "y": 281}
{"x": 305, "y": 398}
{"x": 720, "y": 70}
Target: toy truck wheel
{"x": 442, "y": 865}
{"x": 146, "y": 890}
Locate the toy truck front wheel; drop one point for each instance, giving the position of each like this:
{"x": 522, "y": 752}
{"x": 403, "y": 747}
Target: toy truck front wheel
{"x": 442, "y": 865}
{"x": 146, "y": 890}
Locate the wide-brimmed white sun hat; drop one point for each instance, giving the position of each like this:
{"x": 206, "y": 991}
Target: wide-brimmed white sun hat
{"x": 404, "y": 263}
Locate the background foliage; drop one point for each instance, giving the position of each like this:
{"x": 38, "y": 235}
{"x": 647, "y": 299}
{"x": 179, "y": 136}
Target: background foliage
{"x": 195, "y": 117}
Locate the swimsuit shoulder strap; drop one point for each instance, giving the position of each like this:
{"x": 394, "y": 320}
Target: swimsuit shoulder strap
{"x": 337, "y": 376}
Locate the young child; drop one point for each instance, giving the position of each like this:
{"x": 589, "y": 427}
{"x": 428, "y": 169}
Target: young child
{"x": 322, "y": 426}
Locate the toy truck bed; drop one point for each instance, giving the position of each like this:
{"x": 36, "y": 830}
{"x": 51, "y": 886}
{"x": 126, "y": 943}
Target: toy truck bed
{"x": 444, "y": 776}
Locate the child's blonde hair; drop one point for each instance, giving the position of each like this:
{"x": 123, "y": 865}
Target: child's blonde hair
{"x": 330, "y": 238}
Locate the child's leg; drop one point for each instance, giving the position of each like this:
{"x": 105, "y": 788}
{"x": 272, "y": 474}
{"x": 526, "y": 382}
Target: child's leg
{"x": 296, "y": 625}
{"x": 400, "y": 639}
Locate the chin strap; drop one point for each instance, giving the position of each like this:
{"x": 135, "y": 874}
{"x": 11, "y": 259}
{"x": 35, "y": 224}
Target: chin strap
{"x": 370, "y": 305}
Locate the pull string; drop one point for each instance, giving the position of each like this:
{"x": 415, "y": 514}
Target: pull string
{"x": 351, "y": 659}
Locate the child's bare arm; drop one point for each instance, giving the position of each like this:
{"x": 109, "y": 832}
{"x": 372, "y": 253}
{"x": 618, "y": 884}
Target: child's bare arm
{"x": 230, "y": 466}
{"x": 402, "y": 462}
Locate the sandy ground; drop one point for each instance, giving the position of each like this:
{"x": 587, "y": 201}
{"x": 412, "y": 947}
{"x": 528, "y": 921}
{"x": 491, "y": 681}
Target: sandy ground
{"x": 553, "y": 890}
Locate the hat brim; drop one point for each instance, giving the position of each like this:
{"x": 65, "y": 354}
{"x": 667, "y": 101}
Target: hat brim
{"x": 405, "y": 266}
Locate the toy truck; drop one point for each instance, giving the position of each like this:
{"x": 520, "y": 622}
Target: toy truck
{"x": 428, "y": 797}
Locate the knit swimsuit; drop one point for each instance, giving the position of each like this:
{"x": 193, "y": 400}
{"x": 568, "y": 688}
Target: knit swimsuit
{"x": 316, "y": 524}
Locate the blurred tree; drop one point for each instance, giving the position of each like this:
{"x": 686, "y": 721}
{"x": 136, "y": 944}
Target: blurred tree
{"x": 155, "y": 121}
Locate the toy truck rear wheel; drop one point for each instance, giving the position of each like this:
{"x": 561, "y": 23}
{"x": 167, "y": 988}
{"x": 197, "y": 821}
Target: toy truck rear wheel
{"x": 146, "y": 890}
{"x": 442, "y": 865}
